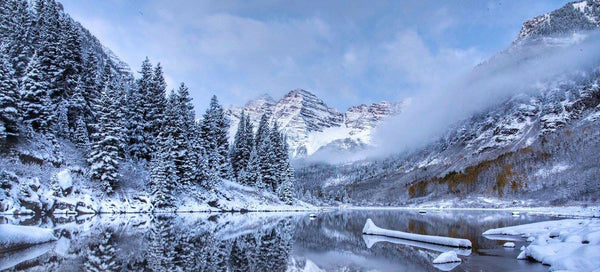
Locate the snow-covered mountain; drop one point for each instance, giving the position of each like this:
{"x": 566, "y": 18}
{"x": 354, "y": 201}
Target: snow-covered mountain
{"x": 571, "y": 18}
{"x": 542, "y": 143}
{"x": 311, "y": 125}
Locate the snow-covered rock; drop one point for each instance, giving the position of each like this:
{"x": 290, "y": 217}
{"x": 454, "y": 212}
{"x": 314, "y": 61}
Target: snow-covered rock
{"x": 371, "y": 228}
{"x": 64, "y": 179}
{"x": 14, "y": 236}
{"x": 447, "y": 257}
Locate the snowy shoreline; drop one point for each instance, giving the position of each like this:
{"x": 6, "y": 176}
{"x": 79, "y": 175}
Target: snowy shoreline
{"x": 567, "y": 244}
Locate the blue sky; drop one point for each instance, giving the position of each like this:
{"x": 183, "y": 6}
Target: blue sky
{"x": 346, "y": 52}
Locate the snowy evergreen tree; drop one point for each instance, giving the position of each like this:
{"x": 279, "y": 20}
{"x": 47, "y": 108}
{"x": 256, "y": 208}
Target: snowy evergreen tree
{"x": 155, "y": 107}
{"x": 61, "y": 127}
{"x": 251, "y": 175}
{"x": 139, "y": 139}
{"x": 213, "y": 130}
{"x": 262, "y": 130}
{"x": 240, "y": 151}
{"x": 9, "y": 99}
{"x": 80, "y": 135}
{"x": 285, "y": 191}
{"x": 107, "y": 150}
{"x": 268, "y": 161}
{"x": 16, "y": 34}
{"x": 35, "y": 102}
{"x": 179, "y": 124}
{"x": 163, "y": 175}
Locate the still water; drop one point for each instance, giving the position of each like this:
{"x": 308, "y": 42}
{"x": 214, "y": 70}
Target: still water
{"x": 266, "y": 242}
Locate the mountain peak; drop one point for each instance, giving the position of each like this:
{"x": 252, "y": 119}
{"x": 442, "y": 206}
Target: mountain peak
{"x": 310, "y": 124}
{"x": 571, "y": 18}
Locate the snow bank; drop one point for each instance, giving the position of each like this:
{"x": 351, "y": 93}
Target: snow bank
{"x": 13, "y": 236}
{"x": 570, "y": 244}
{"x": 371, "y": 228}
{"x": 447, "y": 257}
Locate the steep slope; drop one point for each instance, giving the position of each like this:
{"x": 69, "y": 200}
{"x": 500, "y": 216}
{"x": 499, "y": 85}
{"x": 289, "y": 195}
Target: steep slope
{"x": 541, "y": 144}
{"x": 311, "y": 125}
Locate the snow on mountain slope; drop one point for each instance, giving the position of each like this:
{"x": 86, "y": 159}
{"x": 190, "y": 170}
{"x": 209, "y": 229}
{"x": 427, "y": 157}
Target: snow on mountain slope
{"x": 310, "y": 125}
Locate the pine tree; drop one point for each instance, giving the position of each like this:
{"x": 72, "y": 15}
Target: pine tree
{"x": 268, "y": 161}
{"x": 285, "y": 191}
{"x": 280, "y": 156}
{"x": 137, "y": 111}
{"x": 251, "y": 175}
{"x": 263, "y": 129}
{"x": 9, "y": 98}
{"x": 48, "y": 47}
{"x": 80, "y": 135}
{"x": 16, "y": 34}
{"x": 163, "y": 175}
{"x": 213, "y": 130}
{"x": 240, "y": 151}
{"x": 35, "y": 101}
{"x": 107, "y": 150}
{"x": 179, "y": 124}
{"x": 155, "y": 107}
{"x": 61, "y": 127}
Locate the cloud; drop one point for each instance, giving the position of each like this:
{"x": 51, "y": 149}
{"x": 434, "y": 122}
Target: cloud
{"x": 455, "y": 97}
{"x": 345, "y": 52}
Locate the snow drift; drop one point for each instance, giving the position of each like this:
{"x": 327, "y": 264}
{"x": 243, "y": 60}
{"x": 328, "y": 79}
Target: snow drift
{"x": 371, "y": 228}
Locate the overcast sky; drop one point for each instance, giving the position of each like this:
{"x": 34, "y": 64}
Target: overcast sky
{"x": 346, "y": 52}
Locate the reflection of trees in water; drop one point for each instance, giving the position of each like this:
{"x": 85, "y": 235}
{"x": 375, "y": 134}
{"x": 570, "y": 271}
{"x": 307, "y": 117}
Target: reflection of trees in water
{"x": 101, "y": 253}
{"x": 203, "y": 250}
{"x": 170, "y": 242}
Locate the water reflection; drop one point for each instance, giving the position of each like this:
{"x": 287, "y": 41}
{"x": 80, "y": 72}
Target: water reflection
{"x": 264, "y": 242}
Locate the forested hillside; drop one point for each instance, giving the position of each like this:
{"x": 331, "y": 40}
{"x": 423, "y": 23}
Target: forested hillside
{"x": 79, "y": 133}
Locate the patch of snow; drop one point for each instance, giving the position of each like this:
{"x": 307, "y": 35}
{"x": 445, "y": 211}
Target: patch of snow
{"x": 447, "y": 257}
{"x": 14, "y": 236}
{"x": 371, "y": 228}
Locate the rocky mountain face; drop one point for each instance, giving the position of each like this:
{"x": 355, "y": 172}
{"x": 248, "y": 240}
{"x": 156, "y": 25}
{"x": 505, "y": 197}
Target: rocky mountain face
{"x": 542, "y": 144}
{"x": 311, "y": 125}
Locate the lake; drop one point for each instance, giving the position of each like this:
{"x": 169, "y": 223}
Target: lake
{"x": 332, "y": 241}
